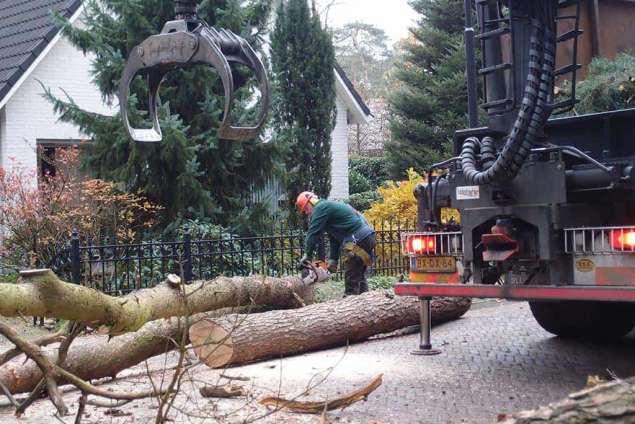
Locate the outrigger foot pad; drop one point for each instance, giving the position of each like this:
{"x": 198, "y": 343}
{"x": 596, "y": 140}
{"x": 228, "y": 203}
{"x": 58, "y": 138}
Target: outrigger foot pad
{"x": 425, "y": 351}
{"x": 183, "y": 43}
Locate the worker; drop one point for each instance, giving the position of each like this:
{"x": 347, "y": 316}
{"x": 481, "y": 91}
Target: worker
{"x": 347, "y": 230}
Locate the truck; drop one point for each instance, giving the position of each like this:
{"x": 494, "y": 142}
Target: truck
{"x": 546, "y": 203}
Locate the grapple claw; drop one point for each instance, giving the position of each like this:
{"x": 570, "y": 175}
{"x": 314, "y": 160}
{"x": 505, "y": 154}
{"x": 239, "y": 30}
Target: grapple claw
{"x": 183, "y": 43}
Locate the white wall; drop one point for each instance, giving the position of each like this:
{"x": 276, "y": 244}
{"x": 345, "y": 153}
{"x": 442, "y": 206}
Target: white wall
{"x": 339, "y": 154}
{"x": 2, "y": 135}
{"x": 28, "y": 116}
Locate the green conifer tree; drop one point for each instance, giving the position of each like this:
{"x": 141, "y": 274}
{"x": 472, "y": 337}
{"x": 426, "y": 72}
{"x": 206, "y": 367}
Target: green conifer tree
{"x": 303, "y": 60}
{"x": 431, "y": 101}
{"x": 191, "y": 173}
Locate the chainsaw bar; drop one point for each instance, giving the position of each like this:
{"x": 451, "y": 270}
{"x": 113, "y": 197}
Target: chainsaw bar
{"x": 314, "y": 272}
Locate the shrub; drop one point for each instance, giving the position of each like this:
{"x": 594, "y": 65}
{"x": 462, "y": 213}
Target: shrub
{"x": 398, "y": 202}
{"x": 381, "y": 282}
{"x": 375, "y": 170}
{"x": 357, "y": 183}
{"x": 363, "y": 201}
{"x": 609, "y": 85}
{"x": 38, "y": 219}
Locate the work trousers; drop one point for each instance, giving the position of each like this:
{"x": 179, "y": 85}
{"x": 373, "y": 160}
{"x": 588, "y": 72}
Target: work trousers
{"x": 355, "y": 269}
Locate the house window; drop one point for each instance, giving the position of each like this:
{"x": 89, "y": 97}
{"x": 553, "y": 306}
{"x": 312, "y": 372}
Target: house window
{"x": 48, "y": 155}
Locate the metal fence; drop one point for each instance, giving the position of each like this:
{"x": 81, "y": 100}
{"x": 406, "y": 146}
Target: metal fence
{"x": 120, "y": 268}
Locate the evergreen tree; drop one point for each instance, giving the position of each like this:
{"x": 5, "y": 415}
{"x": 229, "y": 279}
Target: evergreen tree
{"x": 431, "y": 101}
{"x": 303, "y": 60}
{"x": 191, "y": 173}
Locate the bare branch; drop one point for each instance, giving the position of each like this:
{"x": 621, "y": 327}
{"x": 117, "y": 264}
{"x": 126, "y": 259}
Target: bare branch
{"x": 319, "y": 407}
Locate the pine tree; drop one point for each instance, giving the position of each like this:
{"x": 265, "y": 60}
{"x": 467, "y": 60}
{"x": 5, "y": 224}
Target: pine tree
{"x": 191, "y": 173}
{"x": 303, "y": 60}
{"x": 431, "y": 101}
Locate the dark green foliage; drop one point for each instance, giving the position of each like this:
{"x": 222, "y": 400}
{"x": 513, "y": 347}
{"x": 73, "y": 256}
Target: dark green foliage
{"x": 609, "y": 85}
{"x": 374, "y": 169}
{"x": 431, "y": 100}
{"x": 381, "y": 282}
{"x": 363, "y": 201}
{"x": 365, "y": 175}
{"x": 191, "y": 173}
{"x": 303, "y": 59}
{"x": 357, "y": 183}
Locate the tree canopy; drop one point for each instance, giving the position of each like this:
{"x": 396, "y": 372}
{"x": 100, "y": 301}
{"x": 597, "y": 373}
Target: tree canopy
{"x": 431, "y": 100}
{"x": 362, "y": 50}
{"x": 191, "y": 173}
{"x": 303, "y": 61}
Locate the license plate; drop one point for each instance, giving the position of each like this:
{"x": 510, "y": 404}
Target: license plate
{"x": 435, "y": 264}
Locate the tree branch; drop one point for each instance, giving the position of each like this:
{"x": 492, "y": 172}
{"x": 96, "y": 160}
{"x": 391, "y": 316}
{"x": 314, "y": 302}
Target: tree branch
{"x": 52, "y": 371}
{"x": 42, "y": 293}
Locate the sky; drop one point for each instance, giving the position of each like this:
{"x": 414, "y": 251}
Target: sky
{"x": 393, "y": 16}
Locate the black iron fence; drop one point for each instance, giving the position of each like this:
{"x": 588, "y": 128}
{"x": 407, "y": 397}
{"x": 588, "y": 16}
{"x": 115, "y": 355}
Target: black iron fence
{"x": 120, "y": 268}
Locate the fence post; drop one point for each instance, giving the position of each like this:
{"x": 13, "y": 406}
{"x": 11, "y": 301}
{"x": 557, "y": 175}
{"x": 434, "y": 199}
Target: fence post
{"x": 187, "y": 256}
{"x": 76, "y": 275}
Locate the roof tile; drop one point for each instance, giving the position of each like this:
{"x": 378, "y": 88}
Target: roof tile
{"x": 26, "y": 27}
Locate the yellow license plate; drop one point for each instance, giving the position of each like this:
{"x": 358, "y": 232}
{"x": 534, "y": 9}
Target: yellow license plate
{"x": 435, "y": 264}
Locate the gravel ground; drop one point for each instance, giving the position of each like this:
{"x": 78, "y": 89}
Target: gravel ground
{"x": 495, "y": 360}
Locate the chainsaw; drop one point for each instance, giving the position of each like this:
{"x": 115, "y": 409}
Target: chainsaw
{"x": 184, "y": 42}
{"x": 314, "y": 272}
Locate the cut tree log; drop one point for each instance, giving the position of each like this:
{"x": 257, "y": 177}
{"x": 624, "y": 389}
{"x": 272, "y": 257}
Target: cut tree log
{"x": 41, "y": 293}
{"x": 612, "y": 402}
{"x": 96, "y": 357}
{"x": 238, "y": 339}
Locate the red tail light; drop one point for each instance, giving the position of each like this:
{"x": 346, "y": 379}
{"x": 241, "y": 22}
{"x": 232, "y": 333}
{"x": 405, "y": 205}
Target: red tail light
{"x": 623, "y": 239}
{"x": 419, "y": 245}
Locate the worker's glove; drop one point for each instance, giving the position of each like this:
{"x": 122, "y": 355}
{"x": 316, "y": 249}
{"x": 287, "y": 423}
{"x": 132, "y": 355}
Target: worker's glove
{"x": 304, "y": 261}
{"x": 332, "y": 266}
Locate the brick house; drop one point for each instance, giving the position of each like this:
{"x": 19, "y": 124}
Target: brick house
{"x": 33, "y": 53}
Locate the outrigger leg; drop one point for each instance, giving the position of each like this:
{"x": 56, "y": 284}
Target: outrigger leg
{"x": 425, "y": 320}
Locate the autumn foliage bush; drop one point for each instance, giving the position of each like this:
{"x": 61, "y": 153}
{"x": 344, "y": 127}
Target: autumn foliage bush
{"x": 38, "y": 215}
{"x": 398, "y": 204}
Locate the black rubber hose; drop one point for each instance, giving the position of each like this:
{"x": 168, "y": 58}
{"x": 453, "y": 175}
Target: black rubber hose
{"x": 499, "y": 170}
{"x": 542, "y": 109}
{"x": 488, "y": 152}
{"x": 530, "y": 122}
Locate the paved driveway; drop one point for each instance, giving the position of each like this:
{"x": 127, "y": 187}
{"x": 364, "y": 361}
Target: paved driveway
{"x": 495, "y": 360}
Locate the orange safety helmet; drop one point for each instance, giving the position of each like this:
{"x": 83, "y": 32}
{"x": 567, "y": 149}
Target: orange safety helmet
{"x": 305, "y": 198}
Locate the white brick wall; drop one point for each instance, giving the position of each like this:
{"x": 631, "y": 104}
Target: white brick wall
{"x": 28, "y": 116}
{"x": 339, "y": 153}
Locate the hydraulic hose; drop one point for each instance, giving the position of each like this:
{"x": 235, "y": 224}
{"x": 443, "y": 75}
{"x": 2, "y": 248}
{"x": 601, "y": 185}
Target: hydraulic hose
{"x": 528, "y": 127}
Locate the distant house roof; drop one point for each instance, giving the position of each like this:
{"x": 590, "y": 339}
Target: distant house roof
{"x": 26, "y": 29}
{"x": 351, "y": 88}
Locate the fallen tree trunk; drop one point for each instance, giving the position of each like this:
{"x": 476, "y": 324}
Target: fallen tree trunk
{"x": 96, "y": 357}
{"x": 43, "y": 294}
{"x": 238, "y": 339}
{"x": 612, "y": 402}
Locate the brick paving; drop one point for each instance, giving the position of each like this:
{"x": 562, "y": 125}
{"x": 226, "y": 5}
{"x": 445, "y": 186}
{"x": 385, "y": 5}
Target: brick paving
{"x": 495, "y": 360}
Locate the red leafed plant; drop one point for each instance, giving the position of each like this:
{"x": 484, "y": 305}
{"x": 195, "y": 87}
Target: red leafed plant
{"x": 39, "y": 213}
